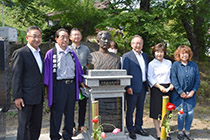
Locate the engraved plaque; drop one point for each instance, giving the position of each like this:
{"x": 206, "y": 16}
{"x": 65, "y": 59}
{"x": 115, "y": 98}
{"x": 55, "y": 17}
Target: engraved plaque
{"x": 109, "y": 82}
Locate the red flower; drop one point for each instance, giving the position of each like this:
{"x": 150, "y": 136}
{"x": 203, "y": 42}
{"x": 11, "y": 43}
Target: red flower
{"x": 95, "y": 120}
{"x": 181, "y": 112}
{"x": 103, "y": 135}
{"x": 116, "y": 130}
{"x": 170, "y": 106}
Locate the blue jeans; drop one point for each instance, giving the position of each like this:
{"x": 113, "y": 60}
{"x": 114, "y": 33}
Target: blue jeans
{"x": 185, "y": 119}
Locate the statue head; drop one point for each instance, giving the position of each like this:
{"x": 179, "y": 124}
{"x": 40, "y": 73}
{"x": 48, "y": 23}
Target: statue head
{"x": 104, "y": 38}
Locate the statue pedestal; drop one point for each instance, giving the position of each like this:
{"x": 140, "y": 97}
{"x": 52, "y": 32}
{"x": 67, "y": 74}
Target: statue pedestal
{"x": 108, "y": 88}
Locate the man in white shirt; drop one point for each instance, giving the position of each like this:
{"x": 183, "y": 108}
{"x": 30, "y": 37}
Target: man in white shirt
{"x": 28, "y": 85}
{"x": 136, "y": 63}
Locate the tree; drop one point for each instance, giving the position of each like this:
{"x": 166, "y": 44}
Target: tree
{"x": 145, "y": 5}
{"x": 28, "y": 13}
{"x": 195, "y": 18}
{"x": 135, "y": 21}
{"x": 173, "y": 22}
{"x": 77, "y": 13}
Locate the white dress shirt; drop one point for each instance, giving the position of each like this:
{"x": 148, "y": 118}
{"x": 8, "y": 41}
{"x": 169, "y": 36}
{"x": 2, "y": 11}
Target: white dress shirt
{"x": 159, "y": 72}
{"x": 142, "y": 64}
{"x": 37, "y": 56}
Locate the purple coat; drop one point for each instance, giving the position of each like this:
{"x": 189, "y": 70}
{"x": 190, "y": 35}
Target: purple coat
{"x": 48, "y": 75}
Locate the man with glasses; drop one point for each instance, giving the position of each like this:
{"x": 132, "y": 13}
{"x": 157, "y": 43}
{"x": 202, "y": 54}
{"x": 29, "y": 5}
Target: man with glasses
{"x": 63, "y": 74}
{"x": 135, "y": 62}
{"x": 83, "y": 54}
{"x": 28, "y": 86}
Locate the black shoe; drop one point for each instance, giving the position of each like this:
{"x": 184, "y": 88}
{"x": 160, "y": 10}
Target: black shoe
{"x": 188, "y": 137}
{"x": 132, "y": 135}
{"x": 141, "y": 132}
{"x": 158, "y": 138}
{"x": 180, "y": 136}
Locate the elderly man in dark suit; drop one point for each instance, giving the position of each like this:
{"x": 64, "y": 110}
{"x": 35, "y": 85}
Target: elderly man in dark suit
{"x": 28, "y": 87}
{"x": 136, "y": 63}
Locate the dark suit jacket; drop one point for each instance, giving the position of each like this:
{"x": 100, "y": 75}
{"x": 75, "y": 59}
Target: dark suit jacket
{"x": 27, "y": 81}
{"x": 131, "y": 64}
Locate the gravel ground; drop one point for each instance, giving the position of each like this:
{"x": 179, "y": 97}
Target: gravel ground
{"x": 200, "y": 129}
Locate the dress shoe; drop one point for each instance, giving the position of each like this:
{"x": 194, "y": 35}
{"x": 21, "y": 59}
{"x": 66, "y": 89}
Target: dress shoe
{"x": 132, "y": 135}
{"x": 180, "y": 136}
{"x": 141, "y": 132}
{"x": 158, "y": 138}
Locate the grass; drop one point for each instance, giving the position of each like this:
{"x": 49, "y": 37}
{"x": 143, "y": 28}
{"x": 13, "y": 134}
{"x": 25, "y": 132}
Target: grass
{"x": 203, "y": 94}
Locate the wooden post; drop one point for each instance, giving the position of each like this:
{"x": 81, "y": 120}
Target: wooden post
{"x": 163, "y": 135}
{"x": 95, "y": 114}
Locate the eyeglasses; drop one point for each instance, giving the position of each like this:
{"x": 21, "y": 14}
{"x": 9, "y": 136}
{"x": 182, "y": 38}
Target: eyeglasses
{"x": 34, "y": 37}
{"x": 137, "y": 43}
{"x": 76, "y": 35}
{"x": 64, "y": 37}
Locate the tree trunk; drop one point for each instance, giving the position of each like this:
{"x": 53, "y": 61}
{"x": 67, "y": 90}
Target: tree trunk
{"x": 199, "y": 31}
{"x": 144, "y": 5}
{"x": 195, "y": 32}
{"x": 191, "y": 36}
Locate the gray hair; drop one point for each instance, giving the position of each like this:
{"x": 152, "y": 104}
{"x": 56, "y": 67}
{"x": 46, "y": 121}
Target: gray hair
{"x": 33, "y": 28}
{"x": 137, "y": 36}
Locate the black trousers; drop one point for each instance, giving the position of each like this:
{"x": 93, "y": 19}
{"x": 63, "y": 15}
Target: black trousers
{"x": 82, "y": 112}
{"x": 29, "y": 122}
{"x": 135, "y": 101}
{"x": 63, "y": 103}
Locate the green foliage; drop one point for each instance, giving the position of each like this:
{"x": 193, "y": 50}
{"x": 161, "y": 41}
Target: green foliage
{"x": 149, "y": 26}
{"x": 9, "y": 21}
{"x": 11, "y": 114}
{"x": 81, "y": 14}
{"x": 203, "y": 93}
{"x": 23, "y": 14}
{"x": 165, "y": 21}
{"x": 161, "y": 24}
{"x": 194, "y": 15}
{"x": 46, "y": 109}
{"x": 30, "y": 13}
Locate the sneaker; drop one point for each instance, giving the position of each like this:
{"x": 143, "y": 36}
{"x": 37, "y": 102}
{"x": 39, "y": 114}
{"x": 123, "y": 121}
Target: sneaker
{"x": 180, "y": 136}
{"x": 188, "y": 136}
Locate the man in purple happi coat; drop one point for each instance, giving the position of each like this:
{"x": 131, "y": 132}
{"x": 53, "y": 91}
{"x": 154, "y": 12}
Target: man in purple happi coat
{"x": 62, "y": 77}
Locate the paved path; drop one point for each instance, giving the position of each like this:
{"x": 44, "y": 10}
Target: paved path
{"x": 81, "y": 137}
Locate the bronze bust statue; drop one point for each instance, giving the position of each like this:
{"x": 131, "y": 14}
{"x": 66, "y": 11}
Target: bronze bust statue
{"x": 103, "y": 59}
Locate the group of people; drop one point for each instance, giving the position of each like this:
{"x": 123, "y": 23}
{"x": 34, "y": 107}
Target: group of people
{"x": 60, "y": 74}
